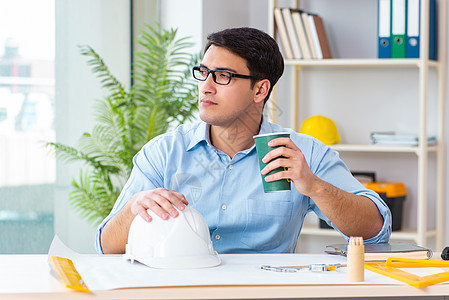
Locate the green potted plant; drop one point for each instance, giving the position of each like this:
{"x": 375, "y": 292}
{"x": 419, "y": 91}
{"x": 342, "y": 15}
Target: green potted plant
{"x": 162, "y": 96}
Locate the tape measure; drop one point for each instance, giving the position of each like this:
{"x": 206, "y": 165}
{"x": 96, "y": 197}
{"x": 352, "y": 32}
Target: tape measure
{"x": 67, "y": 273}
{"x": 391, "y": 269}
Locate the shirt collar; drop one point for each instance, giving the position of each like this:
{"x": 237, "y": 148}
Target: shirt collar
{"x": 265, "y": 126}
{"x": 202, "y": 133}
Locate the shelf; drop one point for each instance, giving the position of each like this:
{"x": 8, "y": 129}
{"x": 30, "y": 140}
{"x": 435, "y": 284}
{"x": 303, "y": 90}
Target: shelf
{"x": 430, "y": 91}
{"x": 404, "y": 234}
{"x": 380, "y": 148}
{"x": 359, "y": 62}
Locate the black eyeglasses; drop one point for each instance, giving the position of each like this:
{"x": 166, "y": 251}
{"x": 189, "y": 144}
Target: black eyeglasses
{"x": 219, "y": 76}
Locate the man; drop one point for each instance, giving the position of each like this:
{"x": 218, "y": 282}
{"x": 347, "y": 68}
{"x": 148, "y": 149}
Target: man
{"x": 212, "y": 165}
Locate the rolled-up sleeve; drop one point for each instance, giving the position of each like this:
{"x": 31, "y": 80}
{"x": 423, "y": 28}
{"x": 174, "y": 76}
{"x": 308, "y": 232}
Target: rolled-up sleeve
{"x": 384, "y": 234}
{"x": 328, "y": 166}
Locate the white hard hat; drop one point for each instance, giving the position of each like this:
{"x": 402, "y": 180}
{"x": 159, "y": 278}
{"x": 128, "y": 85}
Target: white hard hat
{"x": 177, "y": 243}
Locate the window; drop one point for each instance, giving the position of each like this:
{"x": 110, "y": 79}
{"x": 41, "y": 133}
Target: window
{"x": 27, "y": 171}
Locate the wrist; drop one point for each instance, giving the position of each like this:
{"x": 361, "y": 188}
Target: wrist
{"x": 316, "y": 188}
{"x": 127, "y": 210}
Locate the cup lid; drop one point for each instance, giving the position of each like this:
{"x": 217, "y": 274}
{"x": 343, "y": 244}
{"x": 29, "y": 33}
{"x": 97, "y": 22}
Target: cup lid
{"x": 270, "y": 134}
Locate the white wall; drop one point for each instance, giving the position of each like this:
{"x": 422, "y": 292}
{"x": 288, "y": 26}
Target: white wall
{"x": 186, "y": 16}
{"x": 104, "y": 25}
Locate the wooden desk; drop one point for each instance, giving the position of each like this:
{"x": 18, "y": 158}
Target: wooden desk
{"x": 28, "y": 277}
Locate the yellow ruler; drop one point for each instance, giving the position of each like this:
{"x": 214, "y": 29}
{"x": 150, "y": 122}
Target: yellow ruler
{"x": 67, "y": 273}
{"x": 391, "y": 269}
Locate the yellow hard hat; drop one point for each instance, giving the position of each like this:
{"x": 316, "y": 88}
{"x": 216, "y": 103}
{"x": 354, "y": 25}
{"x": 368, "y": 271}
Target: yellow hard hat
{"x": 321, "y": 128}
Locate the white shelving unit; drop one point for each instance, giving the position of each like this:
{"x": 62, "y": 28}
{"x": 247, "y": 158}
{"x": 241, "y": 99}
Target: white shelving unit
{"x": 421, "y": 234}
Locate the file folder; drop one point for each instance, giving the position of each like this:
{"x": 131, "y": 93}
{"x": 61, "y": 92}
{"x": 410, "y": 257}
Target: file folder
{"x": 322, "y": 36}
{"x": 302, "y": 36}
{"x": 398, "y": 28}
{"x": 305, "y": 21}
{"x": 412, "y": 49}
{"x": 384, "y": 29}
{"x": 283, "y": 36}
{"x": 413, "y": 19}
{"x": 314, "y": 35}
{"x": 433, "y": 30}
{"x": 291, "y": 32}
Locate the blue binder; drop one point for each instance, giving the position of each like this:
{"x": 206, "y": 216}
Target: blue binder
{"x": 413, "y": 29}
{"x": 384, "y": 28}
{"x": 433, "y": 30}
{"x": 413, "y": 19}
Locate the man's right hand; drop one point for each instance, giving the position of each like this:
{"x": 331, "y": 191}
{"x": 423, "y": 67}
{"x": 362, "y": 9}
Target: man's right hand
{"x": 114, "y": 235}
{"x": 161, "y": 201}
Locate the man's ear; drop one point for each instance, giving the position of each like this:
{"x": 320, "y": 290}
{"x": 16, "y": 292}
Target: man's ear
{"x": 261, "y": 89}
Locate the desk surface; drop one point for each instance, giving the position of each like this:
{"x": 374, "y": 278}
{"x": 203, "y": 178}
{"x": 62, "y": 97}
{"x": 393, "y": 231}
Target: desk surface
{"x": 28, "y": 276}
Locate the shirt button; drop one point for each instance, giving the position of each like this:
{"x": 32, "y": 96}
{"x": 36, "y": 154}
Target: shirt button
{"x": 230, "y": 167}
{"x": 223, "y": 207}
{"x": 217, "y": 236}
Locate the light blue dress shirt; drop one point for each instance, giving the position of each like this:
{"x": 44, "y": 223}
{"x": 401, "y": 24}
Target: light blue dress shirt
{"x": 229, "y": 193}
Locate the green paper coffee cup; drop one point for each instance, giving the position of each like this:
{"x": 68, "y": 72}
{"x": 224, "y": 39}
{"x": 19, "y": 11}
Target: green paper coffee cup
{"x": 262, "y": 149}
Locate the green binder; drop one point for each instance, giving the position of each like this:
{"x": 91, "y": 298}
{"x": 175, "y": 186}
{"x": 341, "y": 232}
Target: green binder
{"x": 398, "y": 28}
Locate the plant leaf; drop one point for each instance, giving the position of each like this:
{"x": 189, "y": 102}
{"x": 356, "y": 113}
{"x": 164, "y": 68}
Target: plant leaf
{"x": 163, "y": 95}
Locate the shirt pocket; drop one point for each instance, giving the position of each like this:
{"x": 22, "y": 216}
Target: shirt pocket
{"x": 267, "y": 223}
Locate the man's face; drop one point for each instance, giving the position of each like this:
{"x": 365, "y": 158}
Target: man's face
{"x": 225, "y": 105}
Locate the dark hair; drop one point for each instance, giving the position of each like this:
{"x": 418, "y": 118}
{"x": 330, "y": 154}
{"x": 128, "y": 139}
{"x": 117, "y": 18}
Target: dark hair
{"x": 260, "y": 51}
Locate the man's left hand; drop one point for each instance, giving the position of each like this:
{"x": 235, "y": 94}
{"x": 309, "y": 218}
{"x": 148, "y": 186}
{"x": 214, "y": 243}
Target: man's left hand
{"x": 291, "y": 158}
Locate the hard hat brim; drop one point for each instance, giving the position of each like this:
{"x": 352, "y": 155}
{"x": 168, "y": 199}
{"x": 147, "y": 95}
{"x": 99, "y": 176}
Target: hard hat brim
{"x": 187, "y": 262}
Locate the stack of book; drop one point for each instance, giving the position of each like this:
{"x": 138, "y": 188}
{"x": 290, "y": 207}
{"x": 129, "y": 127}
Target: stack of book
{"x": 398, "y": 29}
{"x": 391, "y": 138}
{"x": 302, "y": 34}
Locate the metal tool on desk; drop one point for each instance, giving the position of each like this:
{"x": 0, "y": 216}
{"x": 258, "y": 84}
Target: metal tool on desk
{"x": 391, "y": 269}
{"x": 277, "y": 269}
{"x": 311, "y": 267}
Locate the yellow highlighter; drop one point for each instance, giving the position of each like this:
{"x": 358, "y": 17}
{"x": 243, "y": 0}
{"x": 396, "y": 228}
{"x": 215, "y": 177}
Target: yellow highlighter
{"x": 67, "y": 273}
